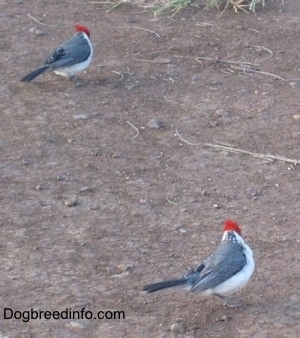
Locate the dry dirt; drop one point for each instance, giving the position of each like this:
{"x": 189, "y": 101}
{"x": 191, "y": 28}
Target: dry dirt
{"x": 148, "y": 206}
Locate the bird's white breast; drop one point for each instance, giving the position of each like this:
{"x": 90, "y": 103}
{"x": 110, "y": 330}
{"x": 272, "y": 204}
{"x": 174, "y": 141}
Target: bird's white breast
{"x": 77, "y": 68}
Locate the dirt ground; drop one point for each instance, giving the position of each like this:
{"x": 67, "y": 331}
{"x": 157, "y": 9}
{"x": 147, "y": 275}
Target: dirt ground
{"x": 148, "y": 205}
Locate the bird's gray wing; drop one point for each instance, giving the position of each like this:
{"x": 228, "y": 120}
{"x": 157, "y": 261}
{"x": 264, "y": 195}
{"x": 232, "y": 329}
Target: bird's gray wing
{"x": 75, "y": 50}
{"x": 226, "y": 261}
{"x": 192, "y": 274}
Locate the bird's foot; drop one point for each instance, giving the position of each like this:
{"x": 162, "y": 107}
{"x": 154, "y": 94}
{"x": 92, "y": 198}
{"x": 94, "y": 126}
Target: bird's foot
{"x": 76, "y": 80}
{"x": 232, "y": 302}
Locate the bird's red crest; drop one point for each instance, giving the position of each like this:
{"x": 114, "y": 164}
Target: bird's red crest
{"x": 230, "y": 225}
{"x": 82, "y": 28}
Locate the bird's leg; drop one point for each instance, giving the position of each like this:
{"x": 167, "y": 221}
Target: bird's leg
{"x": 231, "y": 302}
{"x": 75, "y": 79}
{"x": 71, "y": 77}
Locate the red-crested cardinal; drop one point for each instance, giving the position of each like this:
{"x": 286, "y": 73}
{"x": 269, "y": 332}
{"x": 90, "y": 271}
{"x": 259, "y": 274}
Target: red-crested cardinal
{"x": 70, "y": 58}
{"x": 225, "y": 271}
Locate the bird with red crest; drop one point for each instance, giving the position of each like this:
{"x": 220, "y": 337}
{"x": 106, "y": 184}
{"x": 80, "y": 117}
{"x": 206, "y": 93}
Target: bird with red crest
{"x": 225, "y": 271}
{"x": 70, "y": 58}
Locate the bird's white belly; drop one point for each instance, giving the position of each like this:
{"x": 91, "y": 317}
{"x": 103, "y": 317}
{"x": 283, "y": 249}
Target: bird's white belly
{"x": 236, "y": 282}
{"x": 77, "y": 68}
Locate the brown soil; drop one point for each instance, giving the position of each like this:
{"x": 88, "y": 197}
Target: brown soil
{"x": 148, "y": 207}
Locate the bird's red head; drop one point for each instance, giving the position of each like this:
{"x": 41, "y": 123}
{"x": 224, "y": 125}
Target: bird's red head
{"x": 82, "y": 28}
{"x": 230, "y": 225}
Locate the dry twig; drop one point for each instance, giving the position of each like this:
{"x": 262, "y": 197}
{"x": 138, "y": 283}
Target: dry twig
{"x": 249, "y": 70}
{"x": 182, "y": 139}
{"x": 198, "y": 58}
{"x": 121, "y": 75}
{"x": 157, "y": 156}
{"x": 258, "y": 155}
{"x": 135, "y": 128}
{"x": 143, "y": 29}
{"x": 171, "y": 202}
{"x": 267, "y": 50}
{"x": 39, "y": 22}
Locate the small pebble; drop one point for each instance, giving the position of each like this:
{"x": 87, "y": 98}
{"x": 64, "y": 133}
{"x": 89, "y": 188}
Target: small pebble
{"x": 86, "y": 189}
{"x": 124, "y": 267}
{"x": 135, "y": 213}
{"x": 162, "y": 60}
{"x": 223, "y": 113}
{"x": 25, "y": 162}
{"x": 81, "y": 117}
{"x": 177, "y": 328}
{"x": 295, "y": 83}
{"x": 95, "y": 152}
{"x": 204, "y": 193}
{"x": 155, "y": 124}
{"x": 71, "y": 201}
{"x": 116, "y": 155}
{"x": 75, "y": 325}
{"x": 37, "y": 31}
{"x": 224, "y": 318}
{"x": 61, "y": 178}
{"x": 39, "y": 187}
{"x": 253, "y": 192}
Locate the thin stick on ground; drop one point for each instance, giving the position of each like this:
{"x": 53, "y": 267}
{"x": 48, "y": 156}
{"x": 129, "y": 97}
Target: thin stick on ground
{"x": 267, "y": 50}
{"x": 246, "y": 69}
{"x": 157, "y": 156}
{"x": 121, "y": 75}
{"x": 171, "y": 202}
{"x": 249, "y": 70}
{"x": 144, "y": 60}
{"x": 222, "y": 143}
{"x": 155, "y": 52}
{"x": 143, "y": 29}
{"x": 183, "y": 140}
{"x": 135, "y": 128}
{"x": 198, "y": 58}
{"x": 258, "y": 155}
{"x": 204, "y": 24}
{"x": 39, "y": 22}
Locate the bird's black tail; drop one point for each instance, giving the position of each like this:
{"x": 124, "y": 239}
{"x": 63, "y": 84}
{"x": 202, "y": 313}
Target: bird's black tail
{"x": 29, "y": 77}
{"x": 164, "y": 285}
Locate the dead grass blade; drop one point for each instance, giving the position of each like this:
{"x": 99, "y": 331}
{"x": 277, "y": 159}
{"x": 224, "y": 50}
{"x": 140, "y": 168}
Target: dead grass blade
{"x": 268, "y": 157}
